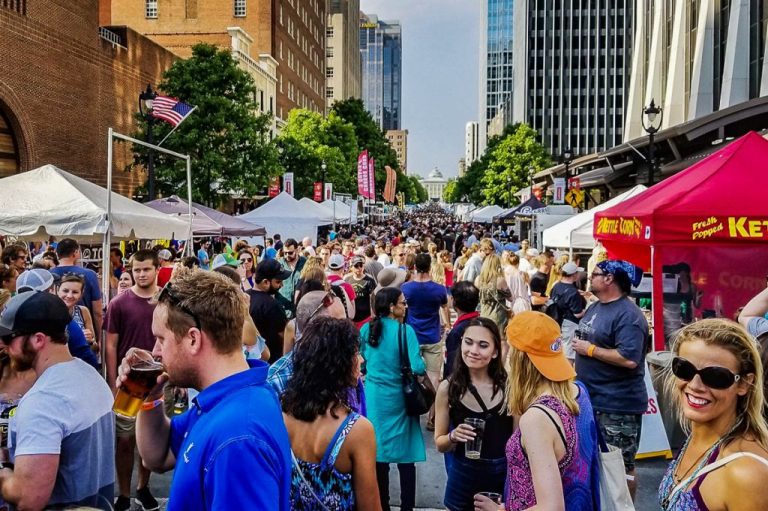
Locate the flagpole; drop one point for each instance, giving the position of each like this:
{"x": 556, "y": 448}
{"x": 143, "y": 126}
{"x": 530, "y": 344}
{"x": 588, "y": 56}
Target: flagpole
{"x": 174, "y": 128}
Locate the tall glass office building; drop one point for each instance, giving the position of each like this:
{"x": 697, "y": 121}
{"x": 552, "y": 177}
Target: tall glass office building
{"x": 496, "y": 42}
{"x": 381, "y": 61}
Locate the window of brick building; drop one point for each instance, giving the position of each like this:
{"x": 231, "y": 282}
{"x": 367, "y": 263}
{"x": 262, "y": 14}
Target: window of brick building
{"x": 329, "y": 72}
{"x": 329, "y": 92}
{"x": 150, "y": 8}
{"x": 329, "y": 51}
{"x": 329, "y": 32}
{"x": 240, "y": 8}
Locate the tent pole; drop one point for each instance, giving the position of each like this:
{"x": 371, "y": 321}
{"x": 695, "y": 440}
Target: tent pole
{"x": 191, "y": 250}
{"x": 657, "y": 300}
{"x": 106, "y": 270}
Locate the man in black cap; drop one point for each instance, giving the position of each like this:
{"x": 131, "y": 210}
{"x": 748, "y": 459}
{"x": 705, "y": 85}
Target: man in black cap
{"x": 62, "y": 439}
{"x": 267, "y": 314}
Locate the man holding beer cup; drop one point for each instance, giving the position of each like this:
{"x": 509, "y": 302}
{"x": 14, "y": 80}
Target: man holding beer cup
{"x": 61, "y": 439}
{"x": 230, "y": 450}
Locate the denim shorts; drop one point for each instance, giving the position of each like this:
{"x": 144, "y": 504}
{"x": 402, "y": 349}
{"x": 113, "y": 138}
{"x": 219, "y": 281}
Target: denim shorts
{"x": 623, "y": 431}
{"x": 469, "y": 477}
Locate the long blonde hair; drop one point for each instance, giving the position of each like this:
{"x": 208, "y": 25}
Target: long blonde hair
{"x": 310, "y": 265}
{"x": 490, "y": 272}
{"x": 733, "y": 338}
{"x": 524, "y": 384}
{"x": 437, "y": 270}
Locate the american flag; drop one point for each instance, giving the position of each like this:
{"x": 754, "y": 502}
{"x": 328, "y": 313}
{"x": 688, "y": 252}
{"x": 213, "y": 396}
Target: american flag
{"x": 170, "y": 110}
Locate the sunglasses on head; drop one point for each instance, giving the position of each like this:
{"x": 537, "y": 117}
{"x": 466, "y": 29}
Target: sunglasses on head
{"x": 327, "y": 302}
{"x": 714, "y": 377}
{"x": 168, "y": 294}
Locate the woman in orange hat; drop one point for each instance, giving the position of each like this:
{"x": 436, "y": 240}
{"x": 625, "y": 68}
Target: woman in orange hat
{"x": 552, "y": 456}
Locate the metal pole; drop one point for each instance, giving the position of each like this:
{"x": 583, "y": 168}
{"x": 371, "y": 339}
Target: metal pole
{"x": 106, "y": 269}
{"x": 151, "y": 163}
{"x": 651, "y": 157}
{"x": 190, "y": 242}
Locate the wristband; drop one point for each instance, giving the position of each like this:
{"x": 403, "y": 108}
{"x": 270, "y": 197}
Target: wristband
{"x": 150, "y": 405}
{"x": 450, "y": 437}
{"x": 591, "y": 350}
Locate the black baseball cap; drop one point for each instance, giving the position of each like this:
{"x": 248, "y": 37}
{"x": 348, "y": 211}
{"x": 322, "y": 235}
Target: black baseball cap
{"x": 34, "y": 311}
{"x": 271, "y": 269}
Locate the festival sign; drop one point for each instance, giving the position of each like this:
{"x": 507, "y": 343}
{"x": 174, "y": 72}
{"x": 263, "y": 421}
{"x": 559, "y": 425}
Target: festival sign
{"x": 558, "y": 190}
{"x": 288, "y": 183}
{"x": 318, "y": 192}
{"x": 274, "y": 187}
{"x": 328, "y": 191}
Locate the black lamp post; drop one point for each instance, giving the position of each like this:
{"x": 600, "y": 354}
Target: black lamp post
{"x": 649, "y": 119}
{"x": 146, "y": 101}
{"x": 567, "y": 157}
{"x": 323, "y": 166}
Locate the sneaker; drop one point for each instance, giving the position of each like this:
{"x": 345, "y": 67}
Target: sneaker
{"x": 123, "y": 503}
{"x": 145, "y": 499}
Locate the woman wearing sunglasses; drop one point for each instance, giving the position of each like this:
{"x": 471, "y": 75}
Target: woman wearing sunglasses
{"x": 717, "y": 377}
{"x": 246, "y": 269}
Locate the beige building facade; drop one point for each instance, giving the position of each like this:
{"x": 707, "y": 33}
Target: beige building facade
{"x": 434, "y": 184}
{"x": 342, "y": 42}
{"x": 398, "y": 139}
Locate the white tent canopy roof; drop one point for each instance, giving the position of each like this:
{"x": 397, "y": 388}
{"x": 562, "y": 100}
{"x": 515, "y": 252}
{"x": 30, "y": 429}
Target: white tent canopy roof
{"x": 486, "y": 214}
{"x": 48, "y": 201}
{"x": 286, "y": 216}
{"x": 321, "y": 212}
{"x": 343, "y": 211}
{"x": 576, "y": 232}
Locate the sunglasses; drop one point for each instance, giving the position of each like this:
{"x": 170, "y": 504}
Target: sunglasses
{"x": 246, "y": 259}
{"x": 290, "y": 254}
{"x": 358, "y": 265}
{"x": 594, "y": 275}
{"x": 8, "y": 339}
{"x": 168, "y": 293}
{"x": 714, "y": 377}
{"x": 327, "y": 302}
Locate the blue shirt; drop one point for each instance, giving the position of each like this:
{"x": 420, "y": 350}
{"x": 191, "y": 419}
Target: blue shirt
{"x": 205, "y": 259}
{"x": 232, "y": 449}
{"x": 91, "y": 290}
{"x": 618, "y": 325}
{"x": 78, "y": 345}
{"x": 424, "y": 302}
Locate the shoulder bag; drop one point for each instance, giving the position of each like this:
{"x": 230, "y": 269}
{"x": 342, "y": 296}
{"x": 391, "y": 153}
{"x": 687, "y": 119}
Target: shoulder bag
{"x": 418, "y": 391}
{"x": 614, "y": 492}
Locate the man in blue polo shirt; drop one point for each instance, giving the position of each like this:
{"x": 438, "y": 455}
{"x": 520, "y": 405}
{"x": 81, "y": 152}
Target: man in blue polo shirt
{"x": 230, "y": 450}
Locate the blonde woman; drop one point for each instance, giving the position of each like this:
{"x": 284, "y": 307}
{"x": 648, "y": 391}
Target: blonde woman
{"x": 519, "y": 298}
{"x": 555, "y": 272}
{"x": 551, "y": 457}
{"x": 717, "y": 377}
{"x": 494, "y": 291}
{"x": 438, "y": 273}
{"x": 461, "y": 261}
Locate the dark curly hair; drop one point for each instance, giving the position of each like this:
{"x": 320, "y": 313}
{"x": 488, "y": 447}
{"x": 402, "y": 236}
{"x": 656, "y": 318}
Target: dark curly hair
{"x": 323, "y": 368}
{"x": 383, "y": 301}
{"x": 460, "y": 379}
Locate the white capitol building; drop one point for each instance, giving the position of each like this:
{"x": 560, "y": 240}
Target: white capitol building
{"x": 434, "y": 183}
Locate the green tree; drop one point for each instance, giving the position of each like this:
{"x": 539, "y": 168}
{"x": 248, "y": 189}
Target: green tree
{"x": 226, "y": 137}
{"x": 307, "y": 140}
{"x": 371, "y": 137}
{"x": 509, "y": 166}
{"x": 449, "y": 189}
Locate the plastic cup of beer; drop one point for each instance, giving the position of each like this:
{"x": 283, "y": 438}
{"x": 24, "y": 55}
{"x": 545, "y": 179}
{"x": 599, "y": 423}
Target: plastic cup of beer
{"x": 493, "y": 496}
{"x": 473, "y": 447}
{"x": 141, "y": 379}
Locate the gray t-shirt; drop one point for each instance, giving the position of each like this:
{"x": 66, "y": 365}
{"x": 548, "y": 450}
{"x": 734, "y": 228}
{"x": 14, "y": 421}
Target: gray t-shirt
{"x": 472, "y": 268}
{"x": 757, "y": 326}
{"x": 68, "y": 411}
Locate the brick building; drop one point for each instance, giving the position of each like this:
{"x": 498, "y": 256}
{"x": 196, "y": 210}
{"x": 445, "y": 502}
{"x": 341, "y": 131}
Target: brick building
{"x": 64, "y": 80}
{"x": 291, "y": 31}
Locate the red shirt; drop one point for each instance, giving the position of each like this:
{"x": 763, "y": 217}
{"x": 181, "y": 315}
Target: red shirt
{"x": 164, "y": 275}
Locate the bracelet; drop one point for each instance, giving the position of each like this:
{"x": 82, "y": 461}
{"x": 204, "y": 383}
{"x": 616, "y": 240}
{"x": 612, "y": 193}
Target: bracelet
{"x": 591, "y": 350}
{"x": 151, "y": 405}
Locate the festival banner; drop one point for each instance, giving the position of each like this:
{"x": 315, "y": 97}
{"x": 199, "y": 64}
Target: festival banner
{"x": 558, "y": 195}
{"x": 274, "y": 187}
{"x": 372, "y": 178}
{"x": 288, "y": 183}
{"x": 388, "y": 185}
{"x": 318, "y": 192}
{"x": 394, "y": 187}
{"x": 362, "y": 174}
{"x": 328, "y": 191}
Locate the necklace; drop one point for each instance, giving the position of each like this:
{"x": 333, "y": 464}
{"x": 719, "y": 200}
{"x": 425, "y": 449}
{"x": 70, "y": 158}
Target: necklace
{"x": 677, "y": 478}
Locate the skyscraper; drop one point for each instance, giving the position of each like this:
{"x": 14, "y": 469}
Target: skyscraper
{"x": 342, "y": 68}
{"x": 496, "y": 45}
{"x": 381, "y": 61}
{"x": 471, "y": 142}
{"x": 572, "y": 64}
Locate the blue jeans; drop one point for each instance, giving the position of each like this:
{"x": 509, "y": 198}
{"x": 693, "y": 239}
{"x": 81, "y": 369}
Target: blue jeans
{"x": 468, "y": 477}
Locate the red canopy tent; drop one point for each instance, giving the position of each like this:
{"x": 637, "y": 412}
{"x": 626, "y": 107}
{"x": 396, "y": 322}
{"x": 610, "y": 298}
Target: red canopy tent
{"x": 713, "y": 216}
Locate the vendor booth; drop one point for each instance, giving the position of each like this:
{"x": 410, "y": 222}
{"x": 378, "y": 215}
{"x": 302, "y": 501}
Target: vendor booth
{"x": 575, "y": 233}
{"x": 702, "y": 233}
{"x": 323, "y": 214}
{"x": 341, "y": 211}
{"x": 206, "y": 221}
{"x": 485, "y": 215}
{"x": 286, "y": 216}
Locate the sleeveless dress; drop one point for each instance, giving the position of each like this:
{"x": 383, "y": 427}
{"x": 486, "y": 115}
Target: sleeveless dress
{"x": 574, "y": 468}
{"x": 334, "y": 488}
{"x": 77, "y": 315}
{"x": 687, "y": 499}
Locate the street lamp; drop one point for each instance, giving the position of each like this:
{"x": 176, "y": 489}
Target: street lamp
{"x": 649, "y": 119}
{"x": 567, "y": 157}
{"x": 146, "y": 102}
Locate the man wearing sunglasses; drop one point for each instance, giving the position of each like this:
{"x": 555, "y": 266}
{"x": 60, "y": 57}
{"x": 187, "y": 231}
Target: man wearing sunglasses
{"x": 293, "y": 262}
{"x": 610, "y": 345}
{"x": 61, "y": 440}
{"x": 230, "y": 450}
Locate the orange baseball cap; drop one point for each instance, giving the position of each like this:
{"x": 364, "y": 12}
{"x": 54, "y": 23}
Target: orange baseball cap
{"x": 538, "y": 336}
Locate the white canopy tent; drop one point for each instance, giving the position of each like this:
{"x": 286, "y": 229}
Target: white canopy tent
{"x": 321, "y": 212}
{"x": 344, "y": 214}
{"x": 486, "y": 214}
{"x": 576, "y": 231}
{"x": 286, "y": 216}
{"x": 48, "y": 201}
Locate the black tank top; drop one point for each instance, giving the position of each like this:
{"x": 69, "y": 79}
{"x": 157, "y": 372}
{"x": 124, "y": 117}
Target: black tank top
{"x": 498, "y": 428}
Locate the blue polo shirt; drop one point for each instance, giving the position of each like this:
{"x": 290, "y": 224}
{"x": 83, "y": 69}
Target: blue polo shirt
{"x": 232, "y": 449}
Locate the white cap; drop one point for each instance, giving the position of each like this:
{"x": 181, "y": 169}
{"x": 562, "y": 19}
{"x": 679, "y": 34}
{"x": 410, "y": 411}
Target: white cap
{"x": 571, "y": 268}
{"x": 336, "y": 262}
{"x": 36, "y": 279}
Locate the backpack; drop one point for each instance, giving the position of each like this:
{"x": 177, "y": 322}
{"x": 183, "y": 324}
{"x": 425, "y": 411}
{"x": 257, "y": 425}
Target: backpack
{"x": 553, "y": 310}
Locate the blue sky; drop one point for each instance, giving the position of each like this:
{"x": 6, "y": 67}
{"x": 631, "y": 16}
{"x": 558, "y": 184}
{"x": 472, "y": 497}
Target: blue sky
{"x": 440, "y": 76}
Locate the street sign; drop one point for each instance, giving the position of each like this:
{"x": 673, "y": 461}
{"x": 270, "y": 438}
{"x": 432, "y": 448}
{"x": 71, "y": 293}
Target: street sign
{"x": 575, "y": 197}
{"x": 574, "y": 182}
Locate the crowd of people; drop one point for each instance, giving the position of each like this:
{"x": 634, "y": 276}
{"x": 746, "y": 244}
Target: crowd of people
{"x": 283, "y": 375}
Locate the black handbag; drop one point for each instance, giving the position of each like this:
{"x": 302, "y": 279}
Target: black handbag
{"x": 418, "y": 391}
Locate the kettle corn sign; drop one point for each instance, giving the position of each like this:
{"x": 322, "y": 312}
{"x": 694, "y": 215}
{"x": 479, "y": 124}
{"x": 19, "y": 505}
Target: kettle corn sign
{"x": 732, "y": 227}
